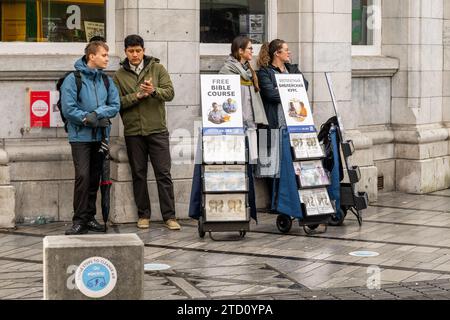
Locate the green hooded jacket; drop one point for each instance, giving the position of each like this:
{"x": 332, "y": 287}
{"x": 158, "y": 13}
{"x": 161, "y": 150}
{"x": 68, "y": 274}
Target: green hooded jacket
{"x": 148, "y": 115}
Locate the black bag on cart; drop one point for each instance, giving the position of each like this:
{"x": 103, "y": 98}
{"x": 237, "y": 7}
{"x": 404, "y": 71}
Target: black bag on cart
{"x": 324, "y": 135}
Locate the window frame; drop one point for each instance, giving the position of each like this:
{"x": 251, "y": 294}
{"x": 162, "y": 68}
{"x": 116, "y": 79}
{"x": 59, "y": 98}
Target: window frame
{"x": 221, "y": 49}
{"x": 375, "y": 48}
{"x": 41, "y": 48}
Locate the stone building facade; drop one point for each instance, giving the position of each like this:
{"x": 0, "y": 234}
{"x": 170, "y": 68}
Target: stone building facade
{"x": 394, "y": 98}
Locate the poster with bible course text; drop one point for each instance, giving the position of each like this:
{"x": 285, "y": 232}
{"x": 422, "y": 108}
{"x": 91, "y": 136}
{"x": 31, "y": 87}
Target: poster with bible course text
{"x": 295, "y": 103}
{"x": 221, "y": 103}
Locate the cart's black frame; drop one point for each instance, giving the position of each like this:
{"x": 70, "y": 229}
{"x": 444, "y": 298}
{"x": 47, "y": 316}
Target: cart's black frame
{"x": 350, "y": 199}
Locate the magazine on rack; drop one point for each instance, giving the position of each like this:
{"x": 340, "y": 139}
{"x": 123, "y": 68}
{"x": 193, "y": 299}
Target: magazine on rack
{"x": 324, "y": 205}
{"x": 307, "y": 197}
{"x": 316, "y": 201}
{"x": 311, "y": 173}
{"x": 306, "y": 145}
{"x": 224, "y": 148}
{"x": 225, "y": 207}
{"x": 224, "y": 178}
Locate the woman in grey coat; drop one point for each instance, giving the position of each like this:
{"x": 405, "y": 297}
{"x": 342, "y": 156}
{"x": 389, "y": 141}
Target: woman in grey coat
{"x": 238, "y": 62}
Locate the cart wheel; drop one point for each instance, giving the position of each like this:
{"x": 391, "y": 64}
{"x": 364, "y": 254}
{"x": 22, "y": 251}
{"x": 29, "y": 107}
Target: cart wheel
{"x": 308, "y": 230}
{"x": 338, "y": 221}
{"x": 284, "y": 223}
{"x": 201, "y": 232}
{"x": 312, "y": 229}
{"x": 242, "y": 233}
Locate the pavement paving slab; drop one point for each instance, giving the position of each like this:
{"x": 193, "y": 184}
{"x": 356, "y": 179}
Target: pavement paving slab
{"x": 410, "y": 233}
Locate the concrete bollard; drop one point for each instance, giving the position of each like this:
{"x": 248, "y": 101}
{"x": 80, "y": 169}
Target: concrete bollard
{"x": 84, "y": 267}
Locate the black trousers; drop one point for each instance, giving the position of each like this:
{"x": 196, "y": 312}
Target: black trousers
{"x": 87, "y": 162}
{"x": 139, "y": 148}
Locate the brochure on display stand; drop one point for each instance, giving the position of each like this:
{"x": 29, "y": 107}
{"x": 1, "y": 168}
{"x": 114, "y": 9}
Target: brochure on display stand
{"x": 311, "y": 173}
{"x": 306, "y": 146}
{"x": 317, "y": 201}
{"x": 225, "y": 207}
{"x": 224, "y": 148}
{"x": 323, "y": 201}
{"x": 219, "y": 178}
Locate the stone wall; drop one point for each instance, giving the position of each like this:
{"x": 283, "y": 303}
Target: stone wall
{"x": 413, "y": 33}
{"x": 371, "y": 96}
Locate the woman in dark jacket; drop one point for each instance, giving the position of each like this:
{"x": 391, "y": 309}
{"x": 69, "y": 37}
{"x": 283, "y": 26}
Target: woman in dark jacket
{"x": 274, "y": 58}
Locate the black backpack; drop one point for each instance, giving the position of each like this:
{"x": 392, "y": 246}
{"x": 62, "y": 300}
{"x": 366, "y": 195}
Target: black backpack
{"x": 77, "y": 75}
{"x": 328, "y": 161}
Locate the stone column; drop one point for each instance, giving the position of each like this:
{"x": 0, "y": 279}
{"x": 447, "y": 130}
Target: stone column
{"x": 170, "y": 29}
{"x": 7, "y": 194}
{"x": 446, "y": 68}
{"x": 412, "y": 32}
{"x": 319, "y": 35}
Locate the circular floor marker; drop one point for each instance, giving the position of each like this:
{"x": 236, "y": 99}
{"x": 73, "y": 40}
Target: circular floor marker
{"x": 364, "y": 254}
{"x": 156, "y": 266}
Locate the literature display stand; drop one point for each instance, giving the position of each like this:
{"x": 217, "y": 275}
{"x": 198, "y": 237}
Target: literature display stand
{"x": 225, "y": 182}
{"x": 307, "y": 155}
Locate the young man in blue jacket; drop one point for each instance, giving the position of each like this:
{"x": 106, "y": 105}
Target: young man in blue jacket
{"x": 87, "y": 112}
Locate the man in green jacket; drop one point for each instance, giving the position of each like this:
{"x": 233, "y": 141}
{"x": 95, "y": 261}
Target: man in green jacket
{"x": 144, "y": 87}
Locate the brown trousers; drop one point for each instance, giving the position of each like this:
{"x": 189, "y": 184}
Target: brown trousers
{"x": 139, "y": 149}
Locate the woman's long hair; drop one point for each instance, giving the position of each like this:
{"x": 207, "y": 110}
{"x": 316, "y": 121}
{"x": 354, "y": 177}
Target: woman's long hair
{"x": 268, "y": 50}
{"x": 241, "y": 42}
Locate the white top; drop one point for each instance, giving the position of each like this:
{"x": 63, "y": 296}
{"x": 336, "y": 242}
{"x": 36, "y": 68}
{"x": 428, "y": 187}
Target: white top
{"x": 137, "y": 69}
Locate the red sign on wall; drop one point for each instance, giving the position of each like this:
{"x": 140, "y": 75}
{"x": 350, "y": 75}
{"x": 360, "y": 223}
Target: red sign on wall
{"x": 40, "y": 109}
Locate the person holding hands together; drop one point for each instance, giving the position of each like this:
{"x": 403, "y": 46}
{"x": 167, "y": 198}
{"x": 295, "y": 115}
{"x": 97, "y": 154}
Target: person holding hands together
{"x": 144, "y": 86}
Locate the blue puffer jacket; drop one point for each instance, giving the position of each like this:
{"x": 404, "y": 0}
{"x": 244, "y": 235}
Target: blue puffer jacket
{"x": 93, "y": 97}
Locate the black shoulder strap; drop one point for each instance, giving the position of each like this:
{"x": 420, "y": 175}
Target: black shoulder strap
{"x": 106, "y": 81}
{"x": 78, "y": 82}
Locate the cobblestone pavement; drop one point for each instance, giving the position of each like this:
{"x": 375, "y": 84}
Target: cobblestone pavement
{"x": 410, "y": 233}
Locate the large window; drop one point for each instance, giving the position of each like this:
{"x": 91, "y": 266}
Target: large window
{"x": 366, "y": 27}
{"x": 222, "y": 20}
{"x": 51, "y": 20}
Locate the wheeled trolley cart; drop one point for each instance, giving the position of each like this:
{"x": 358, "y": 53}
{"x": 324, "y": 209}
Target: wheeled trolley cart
{"x": 222, "y": 195}
{"x": 225, "y": 185}
{"x": 301, "y": 192}
{"x": 314, "y": 208}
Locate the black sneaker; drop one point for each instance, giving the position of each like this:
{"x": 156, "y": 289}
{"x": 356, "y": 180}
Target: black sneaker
{"x": 93, "y": 225}
{"x": 77, "y": 229}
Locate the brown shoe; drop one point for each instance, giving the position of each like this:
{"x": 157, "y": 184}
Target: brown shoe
{"x": 172, "y": 224}
{"x": 143, "y": 223}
